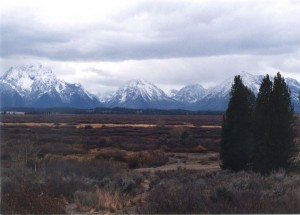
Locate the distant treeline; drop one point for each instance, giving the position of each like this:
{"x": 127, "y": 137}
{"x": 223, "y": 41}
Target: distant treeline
{"x": 117, "y": 110}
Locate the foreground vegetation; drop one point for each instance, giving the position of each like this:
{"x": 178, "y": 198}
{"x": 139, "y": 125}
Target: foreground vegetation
{"x": 169, "y": 168}
{"x": 223, "y": 192}
{"x": 102, "y": 186}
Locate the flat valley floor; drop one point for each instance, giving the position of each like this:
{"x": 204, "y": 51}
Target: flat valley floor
{"x": 114, "y": 164}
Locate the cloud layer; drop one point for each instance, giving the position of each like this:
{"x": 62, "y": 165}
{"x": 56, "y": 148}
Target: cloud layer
{"x": 170, "y": 42}
{"x": 158, "y": 29}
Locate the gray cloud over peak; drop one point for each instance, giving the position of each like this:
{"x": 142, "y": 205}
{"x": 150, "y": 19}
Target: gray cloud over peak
{"x": 98, "y": 71}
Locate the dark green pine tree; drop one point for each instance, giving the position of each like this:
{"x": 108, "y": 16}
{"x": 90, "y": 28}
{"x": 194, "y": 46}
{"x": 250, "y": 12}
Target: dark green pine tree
{"x": 282, "y": 147}
{"x": 262, "y": 135}
{"x": 237, "y": 143}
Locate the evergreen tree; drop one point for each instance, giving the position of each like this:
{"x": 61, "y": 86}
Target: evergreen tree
{"x": 236, "y": 143}
{"x": 262, "y": 131}
{"x": 274, "y": 146}
{"x": 282, "y": 147}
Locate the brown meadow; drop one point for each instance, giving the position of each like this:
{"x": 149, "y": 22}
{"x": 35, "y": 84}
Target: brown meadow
{"x": 129, "y": 164}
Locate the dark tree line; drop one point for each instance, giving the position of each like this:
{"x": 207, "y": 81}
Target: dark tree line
{"x": 257, "y": 133}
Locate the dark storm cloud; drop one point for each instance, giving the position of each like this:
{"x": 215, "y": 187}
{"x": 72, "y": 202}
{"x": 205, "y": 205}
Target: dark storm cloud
{"x": 159, "y": 29}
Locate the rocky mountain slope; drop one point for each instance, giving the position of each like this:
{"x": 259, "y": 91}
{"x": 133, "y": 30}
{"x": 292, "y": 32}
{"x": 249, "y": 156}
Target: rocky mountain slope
{"x": 37, "y": 86}
{"x": 140, "y": 94}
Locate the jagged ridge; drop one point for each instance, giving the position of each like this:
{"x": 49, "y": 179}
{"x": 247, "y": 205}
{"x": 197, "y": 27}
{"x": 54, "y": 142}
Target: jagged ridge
{"x": 140, "y": 94}
{"x": 37, "y": 86}
{"x": 134, "y": 94}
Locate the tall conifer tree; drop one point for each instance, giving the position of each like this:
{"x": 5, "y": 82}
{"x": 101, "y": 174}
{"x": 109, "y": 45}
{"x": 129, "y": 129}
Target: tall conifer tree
{"x": 282, "y": 147}
{"x": 236, "y": 143}
{"x": 262, "y": 138}
{"x": 274, "y": 146}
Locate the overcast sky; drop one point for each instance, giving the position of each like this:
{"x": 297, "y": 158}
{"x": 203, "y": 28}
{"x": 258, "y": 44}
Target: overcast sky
{"x": 102, "y": 44}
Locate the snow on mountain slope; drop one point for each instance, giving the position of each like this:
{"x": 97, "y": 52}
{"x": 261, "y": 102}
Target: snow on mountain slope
{"x": 38, "y": 87}
{"x": 105, "y": 97}
{"x": 294, "y": 86}
{"x": 217, "y": 97}
{"x": 140, "y": 94}
{"x": 32, "y": 81}
{"x": 190, "y": 93}
{"x": 171, "y": 92}
{"x": 223, "y": 89}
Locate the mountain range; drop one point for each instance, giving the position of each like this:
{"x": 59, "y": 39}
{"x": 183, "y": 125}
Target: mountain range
{"x": 36, "y": 86}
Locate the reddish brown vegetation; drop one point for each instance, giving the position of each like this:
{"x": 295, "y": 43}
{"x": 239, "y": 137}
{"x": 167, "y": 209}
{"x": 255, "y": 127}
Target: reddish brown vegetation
{"x": 117, "y": 169}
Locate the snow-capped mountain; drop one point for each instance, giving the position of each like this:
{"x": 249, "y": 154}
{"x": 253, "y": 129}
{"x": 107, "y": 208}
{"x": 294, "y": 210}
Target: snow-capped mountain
{"x": 190, "y": 94}
{"x": 294, "y": 86}
{"x": 140, "y": 94}
{"x": 171, "y": 92}
{"x": 37, "y": 86}
{"x": 105, "y": 97}
{"x": 217, "y": 97}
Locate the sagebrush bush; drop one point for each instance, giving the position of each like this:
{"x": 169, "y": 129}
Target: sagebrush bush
{"x": 85, "y": 200}
{"x": 186, "y": 191}
{"x": 31, "y": 199}
{"x": 99, "y": 199}
{"x": 147, "y": 159}
{"x": 115, "y": 154}
{"x": 174, "y": 198}
{"x": 109, "y": 201}
{"x": 181, "y": 136}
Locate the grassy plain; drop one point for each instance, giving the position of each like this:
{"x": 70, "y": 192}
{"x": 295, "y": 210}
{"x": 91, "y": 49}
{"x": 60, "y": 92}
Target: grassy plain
{"x": 129, "y": 164}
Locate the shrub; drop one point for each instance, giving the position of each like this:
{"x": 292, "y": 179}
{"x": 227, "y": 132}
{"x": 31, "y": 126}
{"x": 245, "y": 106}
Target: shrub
{"x": 181, "y": 136}
{"x": 115, "y": 154}
{"x": 86, "y": 200}
{"x": 5, "y": 155}
{"x": 88, "y": 127}
{"x": 147, "y": 159}
{"x": 103, "y": 142}
{"x": 133, "y": 162}
{"x": 222, "y": 192}
{"x": 99, "y": 199}
{"x": 174, "y": 199}
{"x": 31, "y": 199}
{"x": 91, "y": 169}
{"x": 109, "y": 201}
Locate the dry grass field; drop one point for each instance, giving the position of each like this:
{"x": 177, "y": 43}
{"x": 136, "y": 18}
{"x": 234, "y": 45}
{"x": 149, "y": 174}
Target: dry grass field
{"x": 129, "y": 164}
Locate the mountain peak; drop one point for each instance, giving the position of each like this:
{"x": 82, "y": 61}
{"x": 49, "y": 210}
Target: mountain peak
{"x": 252, "y": 81}
{"x": 138, "y": 82}
{"x": 39, "y": 68}
{"x": 140, "y": 87}
{"x": 32, "y": 72}
{"x": 245, "y": 73}
{"x": 38, "y": 86}
{"x": 190, "y": 93}
{"x": 24, "y": 77}
{"x": 139, "y": 93}
{"x": 195, "y": 86}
